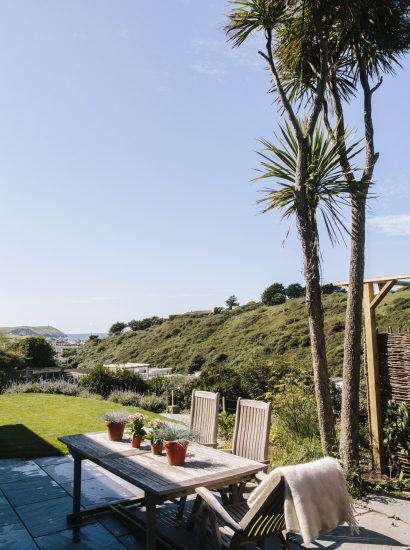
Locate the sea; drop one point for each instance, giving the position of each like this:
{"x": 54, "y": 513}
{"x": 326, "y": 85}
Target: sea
{"x": 85, "y": 335}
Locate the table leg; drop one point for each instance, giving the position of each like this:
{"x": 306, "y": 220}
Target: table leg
{"x": 76, "y": 515}
{"x": 150, "y": 506}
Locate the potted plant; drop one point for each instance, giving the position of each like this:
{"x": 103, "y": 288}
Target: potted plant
{"x": 136, "y": 423}
{"x": 115, "y": 421}
{"x": 176, "y": 438}
{"x": 152, "y": 436}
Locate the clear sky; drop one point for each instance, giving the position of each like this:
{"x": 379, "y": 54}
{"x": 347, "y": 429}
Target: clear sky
{"x": 128, "y": 133}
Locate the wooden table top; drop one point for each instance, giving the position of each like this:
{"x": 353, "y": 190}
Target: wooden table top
{"x": 204, "y": 466}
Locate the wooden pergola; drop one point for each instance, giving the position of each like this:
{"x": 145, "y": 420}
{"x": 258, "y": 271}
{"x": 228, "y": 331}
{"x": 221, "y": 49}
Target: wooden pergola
{"x": 375, "y": 290}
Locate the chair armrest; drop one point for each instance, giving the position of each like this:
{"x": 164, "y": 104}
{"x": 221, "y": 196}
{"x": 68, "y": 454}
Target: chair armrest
{"x": 260, "y": 476}
{"x": 217, "y": 507}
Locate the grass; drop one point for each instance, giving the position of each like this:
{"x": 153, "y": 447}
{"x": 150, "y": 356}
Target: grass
{"x": 241, "y": 336}
{"x": 31, "y": 423}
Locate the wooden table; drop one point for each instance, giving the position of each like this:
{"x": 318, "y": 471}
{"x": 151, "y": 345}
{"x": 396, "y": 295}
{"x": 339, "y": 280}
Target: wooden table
{"x": 204, "y": 466}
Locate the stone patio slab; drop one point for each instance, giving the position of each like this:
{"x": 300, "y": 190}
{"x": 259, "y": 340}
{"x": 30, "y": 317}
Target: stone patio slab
{"x": 15, "y": 469}
{"x": 7, "y": 515}
{"x": 47, "y": 517}
{"x": 93, "y": 537}
{"x": 389, "y": 505}
{"x": 99, "y": 490}
{"x": 16, "y": 537}
{"x": 32, "y": 490}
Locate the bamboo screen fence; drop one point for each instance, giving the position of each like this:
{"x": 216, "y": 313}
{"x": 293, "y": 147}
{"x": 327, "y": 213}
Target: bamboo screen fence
{"x": 394, "y": 369}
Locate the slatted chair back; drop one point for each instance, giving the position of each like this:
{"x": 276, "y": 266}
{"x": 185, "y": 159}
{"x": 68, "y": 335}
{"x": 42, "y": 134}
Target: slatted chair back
{"x": 204, "y": 416}
{"x": 251, "y": 432}
{"x": 267, "y": 518}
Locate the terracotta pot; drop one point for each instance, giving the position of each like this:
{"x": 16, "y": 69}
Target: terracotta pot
{"x": 115, "y": 431}
{"x": 156, "y": 449}
{"x": 136, "y": 441}
{"x": 176, "y": 452}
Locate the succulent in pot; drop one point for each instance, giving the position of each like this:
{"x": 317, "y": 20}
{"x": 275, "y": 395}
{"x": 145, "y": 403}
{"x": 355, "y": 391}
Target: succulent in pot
{"x": 156, "y": 442}
{"x": 136, "y": 422}
{"x": 115, "y": 421}
{"x": 176, "y": 438}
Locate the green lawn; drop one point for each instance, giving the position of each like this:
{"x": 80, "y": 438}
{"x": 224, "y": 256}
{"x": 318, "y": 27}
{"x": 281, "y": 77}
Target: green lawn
{"x": 30, "y": 423}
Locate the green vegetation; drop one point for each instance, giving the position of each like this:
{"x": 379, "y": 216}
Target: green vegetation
{"x": 253, "y": 334}
{"x": 48, "y": 331}
{"x": 103, "y": 381}
{"x": 31, "y": 423}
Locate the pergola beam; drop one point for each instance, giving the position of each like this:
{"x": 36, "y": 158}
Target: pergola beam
{"x": 384, "y": 290}
{"x": 380, "y": 280}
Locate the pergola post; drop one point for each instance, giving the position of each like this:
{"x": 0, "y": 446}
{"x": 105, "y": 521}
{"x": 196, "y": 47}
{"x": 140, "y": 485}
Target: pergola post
{"x": 370, "y": 302}
{"x": 373, "y": 380}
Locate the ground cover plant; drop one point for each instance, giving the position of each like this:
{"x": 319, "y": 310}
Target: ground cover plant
{"x": 31, "y": 423}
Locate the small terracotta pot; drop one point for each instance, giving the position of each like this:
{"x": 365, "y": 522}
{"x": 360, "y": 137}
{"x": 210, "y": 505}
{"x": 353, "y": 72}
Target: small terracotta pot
{"x": 176, "y": 452}
{"x": 136, "y": 441}
{"x": 115, "y": 430}
{"x": 156, "y": 449}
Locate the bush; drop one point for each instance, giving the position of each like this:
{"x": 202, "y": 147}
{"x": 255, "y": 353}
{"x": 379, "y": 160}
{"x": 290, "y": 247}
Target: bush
{"x": 125, "y": 397}
{"x": 294, "y": 290}
{"x": 255, "y": 379}
{"x": 61, "y": 387}
{"x": 36, "y": 352}
{"x": 226, "y": 424}
{"x": 152, "y": 403}
{"x": 222, "y": 379}
{"x": 270, "y": 294}
{"x": 104, "y": 381}
{"x": 117, "y": 328}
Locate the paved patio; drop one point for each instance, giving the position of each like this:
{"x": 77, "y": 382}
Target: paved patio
{"x": 35, "y": 496}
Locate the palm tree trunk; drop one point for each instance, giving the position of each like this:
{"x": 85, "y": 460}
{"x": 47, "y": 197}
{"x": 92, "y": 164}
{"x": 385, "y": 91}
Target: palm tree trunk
{"x": 309, "y": 237}
{"x": 349, "y": 437}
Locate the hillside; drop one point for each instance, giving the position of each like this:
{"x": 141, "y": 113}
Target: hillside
{"x": 252, "y": 333}
{"x": 47, "y": 331}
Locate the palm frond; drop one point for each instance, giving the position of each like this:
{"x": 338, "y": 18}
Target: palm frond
{"x": 326, "y": 188}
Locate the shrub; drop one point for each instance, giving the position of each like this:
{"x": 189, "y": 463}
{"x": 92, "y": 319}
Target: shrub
{"x": 226, "y": 424}
{"x": 117, "y": 328}
{"x": 294, "y": 290}
{"x": 295, "y": 410}
{"x": 36, "y": 352}
{"x": 269, "y": 294}
{"x": 255, "y": 379}
{"x": 152, "y": 403}
{"x": 217, "y": 310}
{"x": 62, "y": 387}
{"x": 125, "y": 397}
{"x": 222, "y": 379}
{"x": 103, "y": 381}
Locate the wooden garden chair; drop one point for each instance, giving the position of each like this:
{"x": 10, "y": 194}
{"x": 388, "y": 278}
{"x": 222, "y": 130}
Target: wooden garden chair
{"x": 236, "y": 525}
{"x": 251, "y": 431}
{"x": 204, "y": 417}
{"x": 204, "y": 424}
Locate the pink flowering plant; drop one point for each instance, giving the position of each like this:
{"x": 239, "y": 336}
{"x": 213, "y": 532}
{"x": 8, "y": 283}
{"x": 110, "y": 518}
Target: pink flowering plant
{"x": 136, "y": 422}
{"x": 154, "y": 427}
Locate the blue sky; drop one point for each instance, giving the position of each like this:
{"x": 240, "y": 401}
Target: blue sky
{"x": 128, "y": 133}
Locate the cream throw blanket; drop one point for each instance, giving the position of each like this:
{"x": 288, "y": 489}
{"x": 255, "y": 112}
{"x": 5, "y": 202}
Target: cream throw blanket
{"x": 316, "y": 498}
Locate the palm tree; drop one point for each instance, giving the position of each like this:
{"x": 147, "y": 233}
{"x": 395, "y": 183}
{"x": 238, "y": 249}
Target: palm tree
{"x": 275, "y": 18}
{"x": 367, "y": 40}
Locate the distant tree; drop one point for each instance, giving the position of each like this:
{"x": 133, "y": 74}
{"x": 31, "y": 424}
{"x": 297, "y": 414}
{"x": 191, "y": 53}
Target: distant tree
{"x": 143, "y": 324}
{"x": 93, "y": 338}
{"x": 294, "y": 290}
{"x": 330, "y": 288}
{"x": 255, "y": 379}
{"x": 218, "y": 309}
{"x": 232, "y": 301}
{"x": 116, "y": 328}
{"x": 103, "y": 381}
{"x": 36, "y": 352}
{"x": 269, "y": 294}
